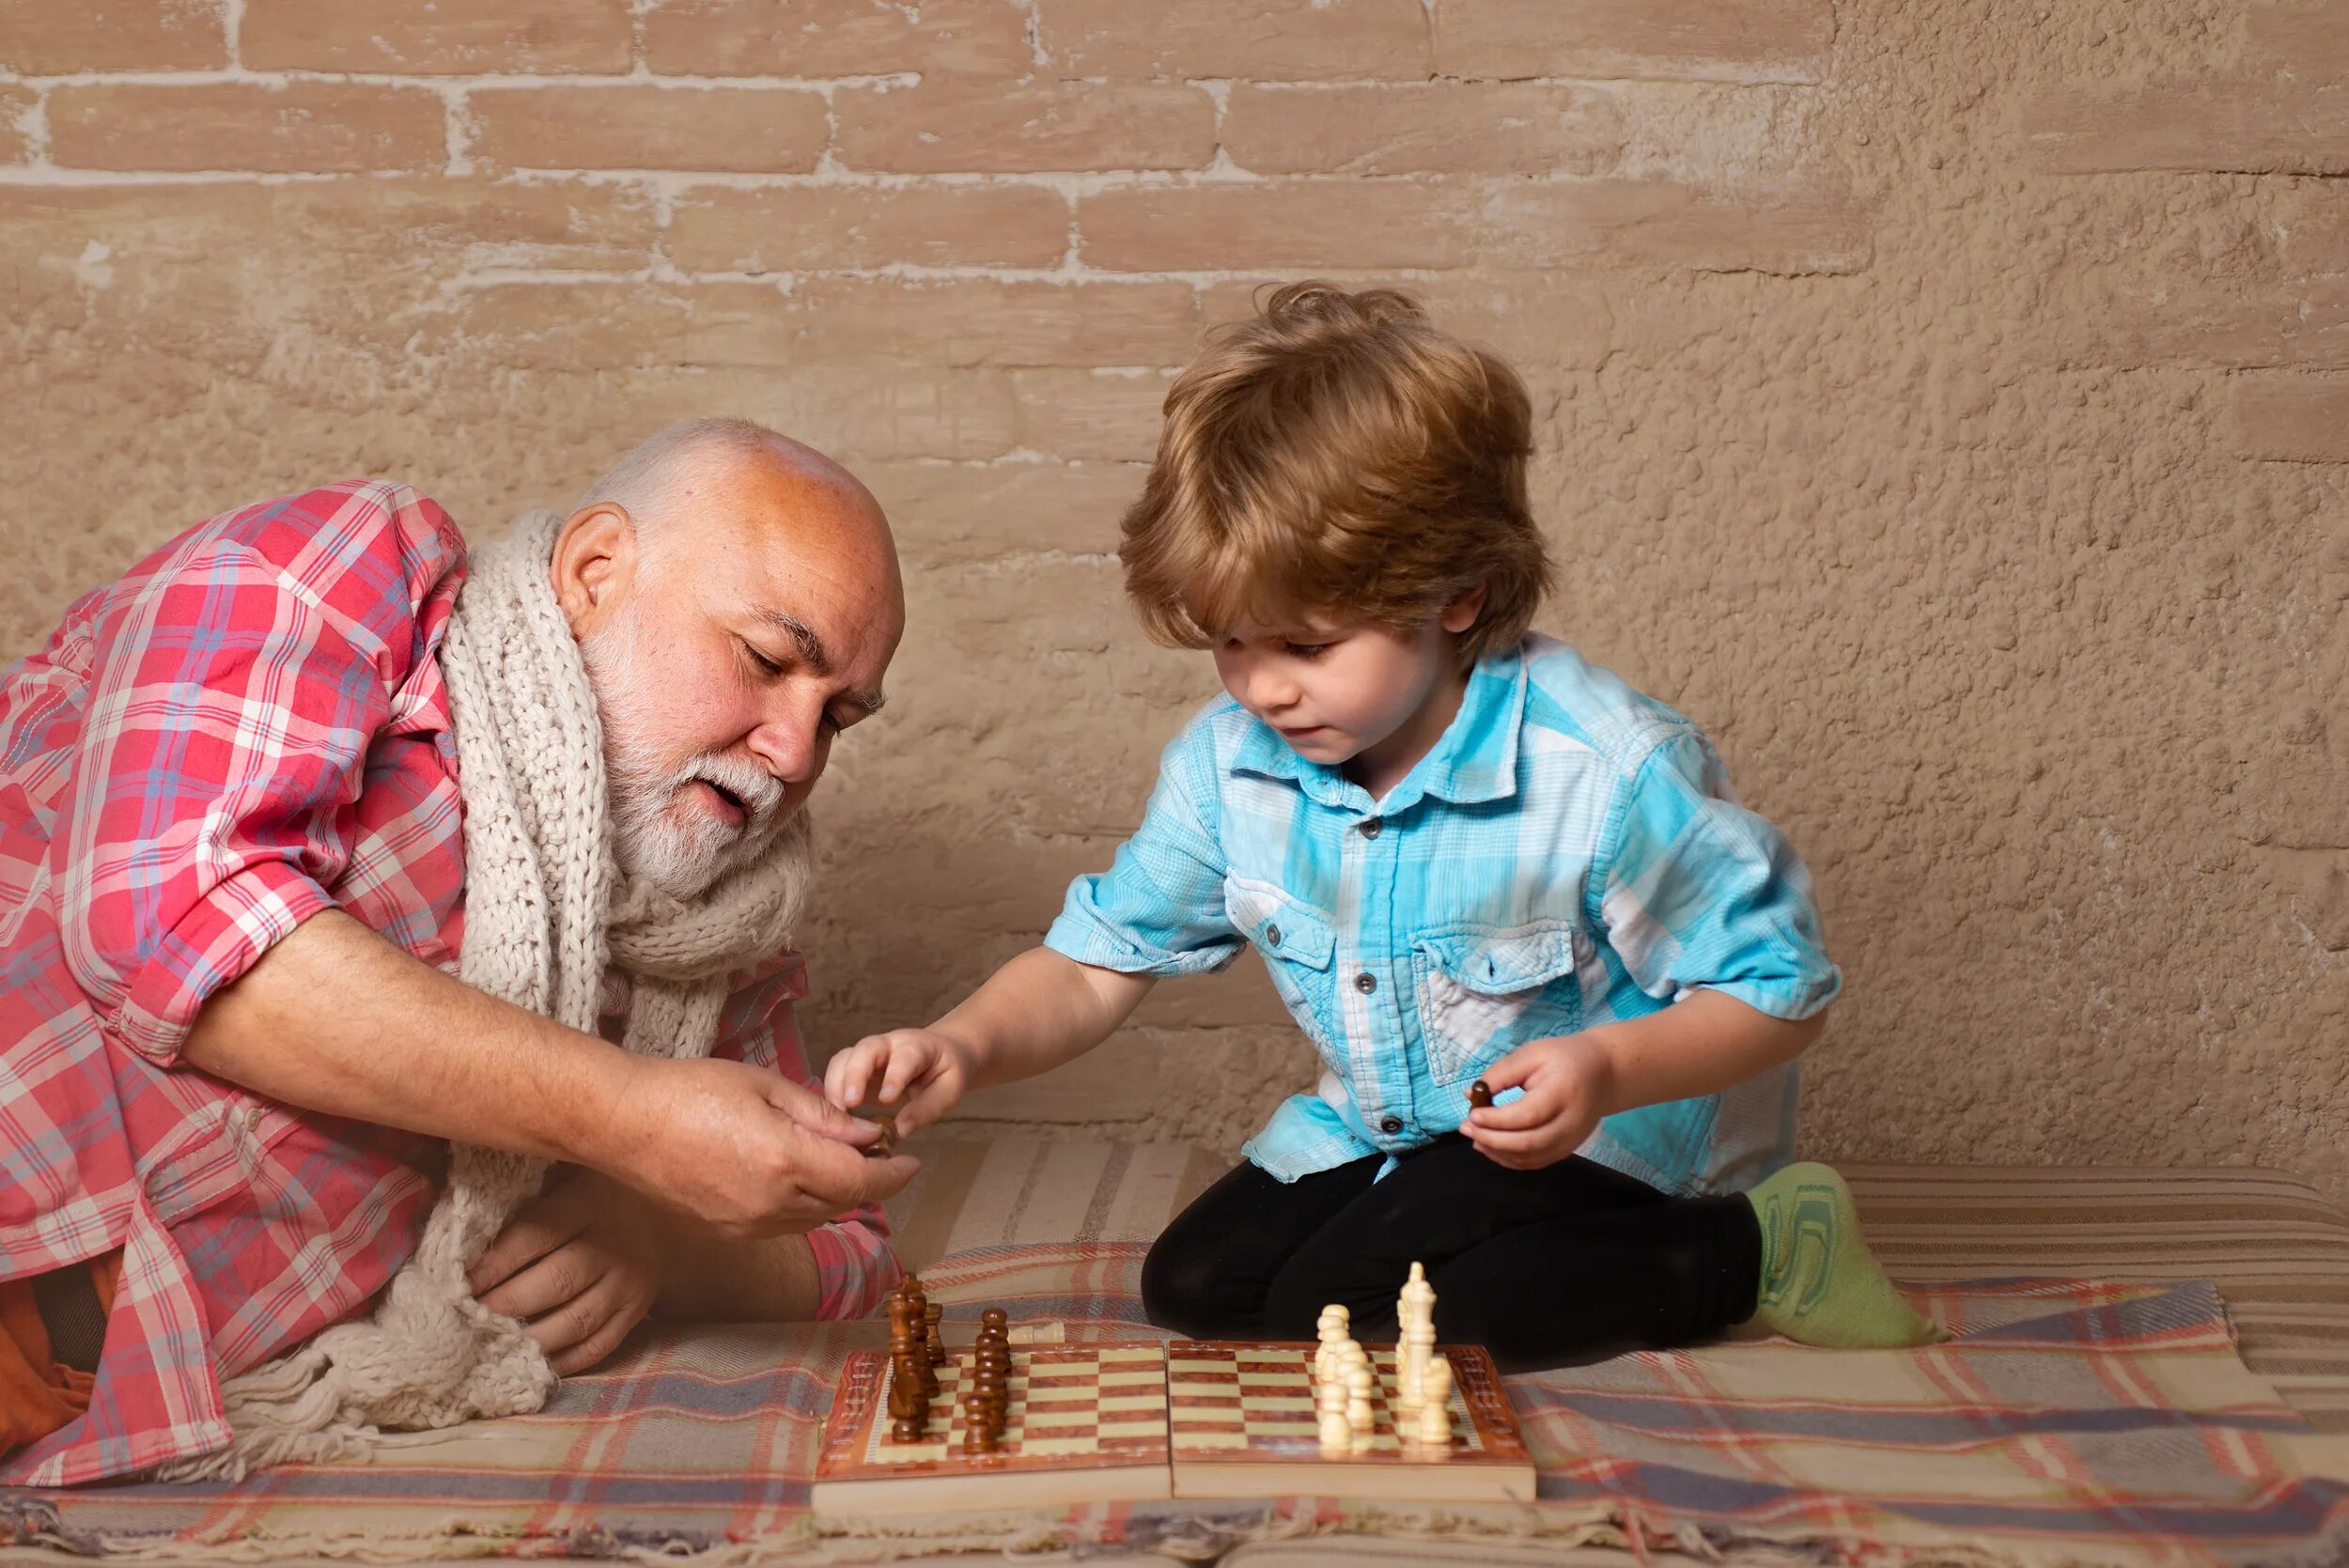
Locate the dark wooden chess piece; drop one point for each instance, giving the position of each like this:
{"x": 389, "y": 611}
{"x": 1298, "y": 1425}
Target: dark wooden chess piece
{"x": 919, "y": 1314}
{"x": 976, "y": 1436}
{"x": 1480, "y": 1095}
{"x": 908, "y": 1366}
{"x": 934, "y": 1332}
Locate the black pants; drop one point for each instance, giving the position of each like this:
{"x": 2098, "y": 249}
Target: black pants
{"x": 1542, "y": 1267}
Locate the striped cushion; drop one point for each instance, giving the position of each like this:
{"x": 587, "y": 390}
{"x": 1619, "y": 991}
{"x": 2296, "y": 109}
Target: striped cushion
{"x": 2277, "y": 1251}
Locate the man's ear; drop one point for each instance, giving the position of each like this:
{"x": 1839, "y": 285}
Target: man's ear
{"x": 1462, "y": 612}
{"x": 594, "y": 565}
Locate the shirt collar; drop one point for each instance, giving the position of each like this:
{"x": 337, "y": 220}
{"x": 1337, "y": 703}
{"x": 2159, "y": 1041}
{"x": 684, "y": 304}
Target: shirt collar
{"x": 1474, "y": 760}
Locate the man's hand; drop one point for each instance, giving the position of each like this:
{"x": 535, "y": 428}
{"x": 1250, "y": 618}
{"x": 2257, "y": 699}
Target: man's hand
{"x": 1569, "y": 1084}
{"x": 919, "y": 1070}
{"x": 581, "y": 1266}
{"x": 749, "y": 1153}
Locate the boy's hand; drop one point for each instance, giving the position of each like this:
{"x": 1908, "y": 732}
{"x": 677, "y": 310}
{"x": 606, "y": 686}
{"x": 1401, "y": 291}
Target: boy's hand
{"x": 920, "y": 1071}
{"x": 1569, "y": 1084}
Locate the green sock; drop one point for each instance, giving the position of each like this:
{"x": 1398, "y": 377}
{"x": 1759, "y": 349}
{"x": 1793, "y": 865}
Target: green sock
{"x": 1820, "y": 1284}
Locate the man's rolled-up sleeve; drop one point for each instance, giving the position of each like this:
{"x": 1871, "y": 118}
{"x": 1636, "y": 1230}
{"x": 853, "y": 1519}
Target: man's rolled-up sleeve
{"x": 1694, "y": 891}
{"x": 1159, "y": 909}
{"x": 234, "y": 702}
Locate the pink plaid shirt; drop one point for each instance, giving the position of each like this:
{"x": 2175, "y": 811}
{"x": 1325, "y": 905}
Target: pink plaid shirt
{"x": 248, "y": 728}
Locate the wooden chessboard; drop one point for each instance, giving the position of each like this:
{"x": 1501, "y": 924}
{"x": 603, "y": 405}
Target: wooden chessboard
{"x": 1193, "y": 1419}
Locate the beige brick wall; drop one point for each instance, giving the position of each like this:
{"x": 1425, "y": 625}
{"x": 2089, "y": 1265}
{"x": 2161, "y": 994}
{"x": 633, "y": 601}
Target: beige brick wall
{"x": 1946, "y": 401}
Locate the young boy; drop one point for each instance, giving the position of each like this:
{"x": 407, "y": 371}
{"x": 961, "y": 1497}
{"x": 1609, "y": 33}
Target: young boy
{"x": 1466, "y": 855}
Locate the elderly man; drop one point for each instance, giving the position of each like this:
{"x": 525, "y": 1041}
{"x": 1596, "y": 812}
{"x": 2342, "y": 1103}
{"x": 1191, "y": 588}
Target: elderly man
{"x": 362, "y": 932}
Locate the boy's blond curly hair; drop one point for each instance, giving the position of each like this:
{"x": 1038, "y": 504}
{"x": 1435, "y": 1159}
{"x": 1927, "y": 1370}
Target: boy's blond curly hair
{"x": 1337, "y": 454}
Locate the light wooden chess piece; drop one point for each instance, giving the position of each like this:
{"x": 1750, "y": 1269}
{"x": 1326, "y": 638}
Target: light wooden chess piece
{"x": 1332, "y": 1327}
{"x": 1358, "y": 1411}
{"x": 1415, "y": 1314}
{"x": 1337, "y": 1433}
{"x": 1434, "y": 1411}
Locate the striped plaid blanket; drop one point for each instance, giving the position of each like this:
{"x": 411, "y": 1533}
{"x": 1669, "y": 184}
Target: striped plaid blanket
{"x": 2070, "y": 1421}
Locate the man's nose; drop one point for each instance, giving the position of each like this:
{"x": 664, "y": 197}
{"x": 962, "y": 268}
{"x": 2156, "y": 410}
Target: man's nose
{"x": 785, "y": 745}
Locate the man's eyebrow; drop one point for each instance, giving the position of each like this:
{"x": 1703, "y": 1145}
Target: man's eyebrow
{"x": 810, "y": 647}
{"x": 815, "y": 655}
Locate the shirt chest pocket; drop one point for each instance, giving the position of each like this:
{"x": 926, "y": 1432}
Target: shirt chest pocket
{"x": 1485, "y": 992}
{"x": 1295, "y": 939}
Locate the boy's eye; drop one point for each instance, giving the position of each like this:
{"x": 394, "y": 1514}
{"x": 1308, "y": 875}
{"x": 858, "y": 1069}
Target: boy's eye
{"x": 1306, "y": 651}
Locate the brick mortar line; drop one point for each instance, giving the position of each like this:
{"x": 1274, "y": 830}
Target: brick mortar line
{"x": 910, "y": 77}
{"x": 465, "y": 81}
{"x": 1221, "y": 174}
{"x": 787, "y": 281}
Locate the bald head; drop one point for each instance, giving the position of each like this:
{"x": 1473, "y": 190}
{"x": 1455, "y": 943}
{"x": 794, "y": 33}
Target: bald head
{"x": 675, "y": 475}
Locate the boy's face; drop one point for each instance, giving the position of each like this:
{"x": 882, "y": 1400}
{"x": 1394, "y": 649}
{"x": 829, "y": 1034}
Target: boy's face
{"x": 1337, "y": 690}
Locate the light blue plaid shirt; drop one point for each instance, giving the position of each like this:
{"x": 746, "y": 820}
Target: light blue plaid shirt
{"x": 1570, "y": 853}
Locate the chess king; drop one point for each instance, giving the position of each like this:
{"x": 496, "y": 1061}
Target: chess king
{"x": 1468, "y": 856}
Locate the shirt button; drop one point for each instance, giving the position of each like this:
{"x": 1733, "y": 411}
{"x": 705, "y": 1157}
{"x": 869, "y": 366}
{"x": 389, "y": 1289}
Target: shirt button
{"x": 1272, "y": 935}
{"x": 1370, "y": 827}
{"x": 1391, "y": 1125}
{"x": 1365, "y": 982}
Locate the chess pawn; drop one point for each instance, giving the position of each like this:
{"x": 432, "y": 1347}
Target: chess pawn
{"x": 933, "y": 1333}
{"x": 1358, "y": 1411}
{"x": 909, "y": 1406}
{"x": 1332, "y": 1327}
{"x": 976, "y": 1436}
{"x": 1434, "y": 1411}
{"x": 1337, "y": 1433}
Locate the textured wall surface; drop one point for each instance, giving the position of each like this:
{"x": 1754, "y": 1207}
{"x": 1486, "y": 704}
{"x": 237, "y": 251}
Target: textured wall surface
{"x": 1944, "y": 401}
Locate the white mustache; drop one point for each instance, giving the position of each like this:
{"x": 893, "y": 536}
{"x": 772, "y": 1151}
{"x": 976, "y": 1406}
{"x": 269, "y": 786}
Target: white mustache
{"x": 758, "y": 790}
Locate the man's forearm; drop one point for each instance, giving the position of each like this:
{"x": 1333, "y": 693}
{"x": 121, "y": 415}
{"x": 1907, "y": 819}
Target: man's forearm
{"x": 708, "y": 1280}
{"x": 334, "y": 1018}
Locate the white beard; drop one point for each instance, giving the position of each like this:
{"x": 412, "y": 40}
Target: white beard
{"x": 655, "y": 836}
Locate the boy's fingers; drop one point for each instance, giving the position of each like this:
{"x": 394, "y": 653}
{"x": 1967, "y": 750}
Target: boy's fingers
{"x": 1514, "y": 1142}
{"x": 907, "y": 1067}
{"x": 845, "y": 1077}
{"x": 818, "y": 1114}
{"x": 1528, "y": 1111}
{"x": 1510, "y": 1070}
{"x": 930, "y": 1101}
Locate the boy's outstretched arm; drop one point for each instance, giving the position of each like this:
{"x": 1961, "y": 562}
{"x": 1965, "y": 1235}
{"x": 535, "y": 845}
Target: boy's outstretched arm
{"x": 1036, "y": 1012}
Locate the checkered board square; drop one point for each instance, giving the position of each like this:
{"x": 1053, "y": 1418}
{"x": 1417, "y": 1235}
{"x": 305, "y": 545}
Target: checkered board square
{"x": 1085, "y": 1422}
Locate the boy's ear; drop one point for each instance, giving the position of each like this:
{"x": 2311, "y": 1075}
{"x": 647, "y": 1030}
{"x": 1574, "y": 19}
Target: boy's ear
{"x": 1462, "y": 612}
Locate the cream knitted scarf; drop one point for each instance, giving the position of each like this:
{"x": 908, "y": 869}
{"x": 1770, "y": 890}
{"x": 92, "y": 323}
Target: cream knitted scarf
{"x": 546, "y": 910}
